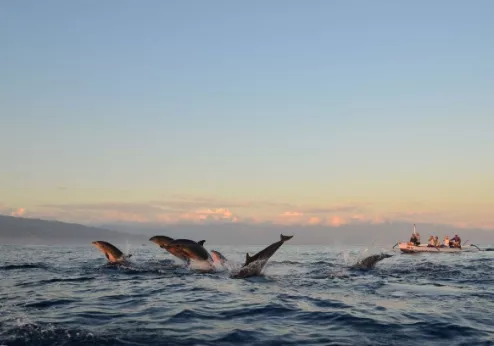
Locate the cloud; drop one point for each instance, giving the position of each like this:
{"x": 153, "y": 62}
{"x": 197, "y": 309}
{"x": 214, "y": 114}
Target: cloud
{"x": 186, "y": 201}
{"x": 292, "y": 214}
{"x": 217, "y": 214}
{"x": 335, "y": 215}
{"x": 337, "y": 221}
{"x": 18, "y": 212}
{"x": 314, "y": 220}
{"x": 348, "y": 208}
{"x": 290, "y": 217}
{"x": 152, "y": 212}
{"x": 186, "y": 209}
{"x": 175, "y": 209}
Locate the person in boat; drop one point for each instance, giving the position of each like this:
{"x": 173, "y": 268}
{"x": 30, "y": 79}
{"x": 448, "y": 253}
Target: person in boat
{"x": 415, "y": 239}
{"x": 437, "y": 243}
{"x": 446, "y": 242}
{"x": 456, "y": 241}
{"x": 431, "y": 242}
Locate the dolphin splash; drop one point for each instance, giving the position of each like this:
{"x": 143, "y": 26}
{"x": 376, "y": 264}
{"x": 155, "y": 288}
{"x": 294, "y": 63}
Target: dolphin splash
{"x": 218, "y": 257}
{"x": 112, "y": 253}
{"x": 254, "y": 265}
{"x": 370, "y": 261}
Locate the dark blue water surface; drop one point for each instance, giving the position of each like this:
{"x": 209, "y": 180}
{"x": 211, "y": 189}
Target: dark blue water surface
{"x": 59, "y": 295}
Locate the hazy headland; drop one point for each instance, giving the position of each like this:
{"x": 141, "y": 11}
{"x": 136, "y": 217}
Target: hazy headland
{"x": 19, "y": 230}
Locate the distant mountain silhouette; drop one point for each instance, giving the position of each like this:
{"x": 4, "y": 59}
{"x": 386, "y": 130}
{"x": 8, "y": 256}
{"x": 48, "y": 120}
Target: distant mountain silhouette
{"x": 18, "y": 230}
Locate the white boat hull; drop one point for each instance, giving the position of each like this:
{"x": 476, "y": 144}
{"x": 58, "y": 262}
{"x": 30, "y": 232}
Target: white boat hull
{"x": 406, "y": 248}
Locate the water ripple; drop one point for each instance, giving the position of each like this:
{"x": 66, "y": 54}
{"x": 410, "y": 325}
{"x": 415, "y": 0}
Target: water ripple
{"x": 306, "y": 295}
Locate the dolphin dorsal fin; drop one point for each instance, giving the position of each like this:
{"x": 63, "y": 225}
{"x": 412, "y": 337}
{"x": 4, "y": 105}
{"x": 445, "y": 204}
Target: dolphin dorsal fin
{"x": 201, "y": 242}
{"x": 247, "y": 258}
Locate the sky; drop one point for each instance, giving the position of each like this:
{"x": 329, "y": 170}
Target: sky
{"x": 289, "y": 112}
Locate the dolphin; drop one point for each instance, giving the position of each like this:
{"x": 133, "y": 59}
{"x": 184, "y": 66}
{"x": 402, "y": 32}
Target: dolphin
{"x": 191, "y": 249}
{"x": 254, "y": 265}
{"x": 188, "y": 241}
{"x": 163, "y": 242}
{"x": 111, "y": 252}
{"x": 370, "y": 261}
{"x": 218, "y": 257}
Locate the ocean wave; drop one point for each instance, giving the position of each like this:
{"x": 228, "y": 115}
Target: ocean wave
{"x": 24, "y": 266}
{"x": 45, "y": 334}
{"x": 314, "y": 298}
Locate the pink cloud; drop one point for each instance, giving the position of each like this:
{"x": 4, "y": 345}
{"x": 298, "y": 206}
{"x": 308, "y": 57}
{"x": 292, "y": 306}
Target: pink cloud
{"x": 292, "y": 214}
{"x": 185, "y": 209}
{"x": 289, "y": 218}
{"x": 336, "y": 221}
{"x": 18, "y": 212}
{"x": 215, "y": 214}
{"x": 314, "y": 220}
{"x": 218, "y": 212}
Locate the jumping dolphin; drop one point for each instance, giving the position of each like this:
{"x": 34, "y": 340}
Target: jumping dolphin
{"x": 111, "y": 252}
{"x": 193, "y": 250}
{"x": 218, "y": 257}
{"x": 254, "y": 265}
{"x": 370, "y": 262}
{"x": 163, "y": 242}
{"x": 188, "y": 241}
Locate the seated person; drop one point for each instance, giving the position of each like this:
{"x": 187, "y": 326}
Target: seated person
{"x": 446, "y": 241}
{"x": 414, "y": 240}
{"x": 456, "y": 241}
{"x": 431, "y": 242}
{"x": 436, "y": 241}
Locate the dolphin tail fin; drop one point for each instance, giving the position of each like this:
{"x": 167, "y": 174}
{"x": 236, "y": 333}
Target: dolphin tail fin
{"x": 201, "y": 242}
{"x": 129, "y": 255}
{"x": 285, "y": 237}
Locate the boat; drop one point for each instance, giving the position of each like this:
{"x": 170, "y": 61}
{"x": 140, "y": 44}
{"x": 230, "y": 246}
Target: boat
{"x": 407, "y": 247}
